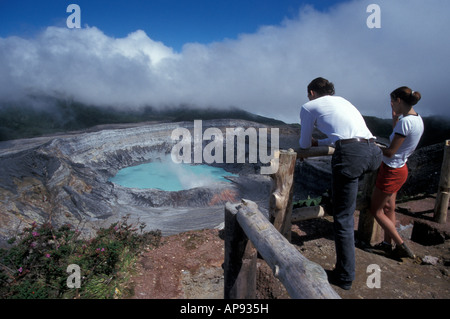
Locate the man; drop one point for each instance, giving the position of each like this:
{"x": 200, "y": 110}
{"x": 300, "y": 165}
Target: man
{"x": 355, "y": 154}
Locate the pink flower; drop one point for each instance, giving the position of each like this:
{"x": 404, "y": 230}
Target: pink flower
{"x": 20, "y": 270}
{"x": 47, "y": 255}
{"x": 35, "y": 234}
{"x": 98, "y": 250}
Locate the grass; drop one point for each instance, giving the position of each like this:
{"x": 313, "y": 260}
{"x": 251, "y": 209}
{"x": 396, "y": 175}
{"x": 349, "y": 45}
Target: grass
{"x": 36, "y": 266}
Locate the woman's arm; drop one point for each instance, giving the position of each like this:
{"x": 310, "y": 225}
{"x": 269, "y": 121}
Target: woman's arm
{"x": 394, "y": 146}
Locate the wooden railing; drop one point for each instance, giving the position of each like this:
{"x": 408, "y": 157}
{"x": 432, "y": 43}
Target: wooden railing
{"x": 301, "y": 277}
{"x": 248, "y": 232}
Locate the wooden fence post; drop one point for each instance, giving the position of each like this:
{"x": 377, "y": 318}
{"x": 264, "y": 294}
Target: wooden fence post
{"x": 369, "y": 230}
{"x": 442, "y": 199}
{"x": 280, "y": 202}
{"x": 240, "y": 260}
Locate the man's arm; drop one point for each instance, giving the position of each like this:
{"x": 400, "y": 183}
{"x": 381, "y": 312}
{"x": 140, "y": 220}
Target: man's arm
{"x": 307, "y": 127}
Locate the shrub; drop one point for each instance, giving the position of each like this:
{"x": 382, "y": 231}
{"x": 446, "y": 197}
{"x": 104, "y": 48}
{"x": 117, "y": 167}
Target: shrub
{"x": 309, "y": 202}
{"x": 36, "y": 264}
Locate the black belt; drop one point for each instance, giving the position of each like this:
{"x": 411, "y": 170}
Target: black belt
{"x": 354, "y": 140}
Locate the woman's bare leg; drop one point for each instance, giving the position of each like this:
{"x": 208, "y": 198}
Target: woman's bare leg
{"x": 383, "y": 209}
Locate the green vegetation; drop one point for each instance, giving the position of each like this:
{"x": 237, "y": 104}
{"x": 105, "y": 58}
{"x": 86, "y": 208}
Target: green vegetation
{"x": 35, "y": 267}
{"x": 56, "y": 116}
{"x": 309, "y": 202}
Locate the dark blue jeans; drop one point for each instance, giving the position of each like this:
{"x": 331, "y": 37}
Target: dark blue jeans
{"x": 349, "y": 163}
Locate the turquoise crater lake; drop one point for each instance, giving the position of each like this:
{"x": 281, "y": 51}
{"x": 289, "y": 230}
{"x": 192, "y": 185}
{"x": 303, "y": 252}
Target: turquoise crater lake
{"x": 169, "y": 176}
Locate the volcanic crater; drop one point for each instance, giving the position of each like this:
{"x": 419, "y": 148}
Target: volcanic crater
{"x": 66, "y": 179}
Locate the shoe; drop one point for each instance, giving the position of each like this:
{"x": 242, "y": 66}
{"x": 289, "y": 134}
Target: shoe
{"x": 403, "y": 251}
{"x": 382, "y": 248}
{"x": 334, "y": 279}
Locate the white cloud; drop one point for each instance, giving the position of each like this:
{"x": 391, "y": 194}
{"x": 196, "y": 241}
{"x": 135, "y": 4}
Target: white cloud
{"x": 266, "y": 72}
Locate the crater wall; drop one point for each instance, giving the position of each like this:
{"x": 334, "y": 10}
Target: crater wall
{"x": 64, "y": 179}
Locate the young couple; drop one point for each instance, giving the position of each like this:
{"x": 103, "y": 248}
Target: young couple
{"x": 355, "y": 154}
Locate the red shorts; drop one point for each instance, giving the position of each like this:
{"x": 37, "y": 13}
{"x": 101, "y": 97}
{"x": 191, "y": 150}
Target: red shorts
{"x": 390, "y": 180}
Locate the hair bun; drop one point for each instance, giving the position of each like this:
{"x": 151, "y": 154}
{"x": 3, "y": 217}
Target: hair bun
{"x": 415, "y": 97}
{"x": 408, "y": 95}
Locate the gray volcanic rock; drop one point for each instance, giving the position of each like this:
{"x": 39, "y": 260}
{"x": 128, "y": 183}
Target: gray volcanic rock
{"x": 65, "y": 179}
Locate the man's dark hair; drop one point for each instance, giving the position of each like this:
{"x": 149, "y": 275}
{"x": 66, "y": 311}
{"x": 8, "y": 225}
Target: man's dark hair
{"x": 321, "y": 86}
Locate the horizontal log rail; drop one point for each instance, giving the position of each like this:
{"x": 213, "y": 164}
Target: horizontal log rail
{"x": 314, "y": 151}
{"x": 302, "y": 278}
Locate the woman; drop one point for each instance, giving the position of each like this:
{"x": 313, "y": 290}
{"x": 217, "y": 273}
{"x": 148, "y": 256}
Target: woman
{"x": 393, "y": 172}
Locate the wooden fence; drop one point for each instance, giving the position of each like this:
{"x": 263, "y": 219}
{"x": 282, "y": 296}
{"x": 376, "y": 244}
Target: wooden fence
{"x": 248, "y": 232}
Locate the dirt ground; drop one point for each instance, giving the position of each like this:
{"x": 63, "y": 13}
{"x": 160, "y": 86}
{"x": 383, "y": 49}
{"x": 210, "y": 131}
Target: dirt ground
{"x": 189, "y": 265}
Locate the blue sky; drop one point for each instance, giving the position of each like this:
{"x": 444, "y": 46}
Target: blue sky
{"x": 174, "y": 22}
{"x": 257, "y": 55}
